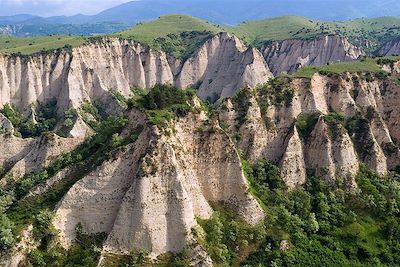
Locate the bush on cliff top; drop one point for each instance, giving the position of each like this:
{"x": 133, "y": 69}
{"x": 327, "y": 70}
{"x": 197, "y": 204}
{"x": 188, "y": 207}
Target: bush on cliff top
{"x": 163, "y": 102}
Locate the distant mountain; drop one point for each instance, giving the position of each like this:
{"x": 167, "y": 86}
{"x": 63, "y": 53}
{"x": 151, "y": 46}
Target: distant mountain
{"x": 16, "y": 19}
{"x": 236, "y": 11}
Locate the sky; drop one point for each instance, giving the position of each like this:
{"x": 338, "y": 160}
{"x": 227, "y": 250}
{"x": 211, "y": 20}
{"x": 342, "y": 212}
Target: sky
{"x": 55, "y": 7}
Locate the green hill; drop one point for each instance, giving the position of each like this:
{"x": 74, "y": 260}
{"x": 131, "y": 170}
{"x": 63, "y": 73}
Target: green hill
{"x": 365, "y": 65}
{"x": 276, "y": 29}
{"x": 27, "y": 46}
{"x": 367, "y": 33}
{"x": 181, "y": 35}
{"x": 171, "y": 24}
{"x": 177, "y": 34}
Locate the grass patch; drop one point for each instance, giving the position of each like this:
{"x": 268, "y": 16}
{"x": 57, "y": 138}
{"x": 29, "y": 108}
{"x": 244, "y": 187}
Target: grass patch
{"x": 32, "y": 45}
{"x": 306, "y": 122}
{"x": 367, "y": 65}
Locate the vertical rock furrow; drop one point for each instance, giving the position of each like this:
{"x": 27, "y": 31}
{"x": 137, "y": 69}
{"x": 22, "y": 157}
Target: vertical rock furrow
{"x": 290, "y": 55}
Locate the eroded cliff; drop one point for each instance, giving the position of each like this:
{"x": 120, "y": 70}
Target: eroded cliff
{"x": 145, "y": 183}
{"x": 329, "y": 125}
{"x": 95, "y": 70}
{"x": 290, "y": 55}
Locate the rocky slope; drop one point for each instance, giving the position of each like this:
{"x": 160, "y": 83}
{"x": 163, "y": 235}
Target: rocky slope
{"x": 290, "y": 55}
{"x": 95, "y": 71}
{"x": 148, "y": 194}
{"x": 367, "y": 133}
{"x": 149, "y": 191}
{"x": 390, "y": 48}
{"x": 90, "y": 72}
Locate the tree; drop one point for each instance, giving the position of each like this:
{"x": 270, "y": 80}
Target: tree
{"x": 6, "y": 232}
{"x": 312, "y": 223}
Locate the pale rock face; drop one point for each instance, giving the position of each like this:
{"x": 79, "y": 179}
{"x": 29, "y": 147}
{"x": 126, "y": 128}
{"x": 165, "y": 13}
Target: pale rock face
{"x": 95, "y": 200}
{"x": 80, "y": 129}
{"x": 293, "y": 168}
{"x": 254, "y": 131}
{"x": 290, "y": 55}
{"x": 318, "y": 151}
{"x": 6, "y": 125}
{"x": 40, "y": 153}
{"x": 391, "y": 48}
{"x": 149, "y": 196}
{"x": 223, "y": 66}
{"x": 345, "y": 158}
{"x": 93, "y": 71}
{"x": 390, "y": 111}
{"x": 330, "y": 151}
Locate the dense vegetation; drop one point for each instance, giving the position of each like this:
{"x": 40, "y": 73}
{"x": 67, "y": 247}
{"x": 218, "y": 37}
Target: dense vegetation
{"x": 18, "y": 211}
{"x": 163, "y": 103}
{"x": 45, "y": 119}
{"x": 317, "y": 225}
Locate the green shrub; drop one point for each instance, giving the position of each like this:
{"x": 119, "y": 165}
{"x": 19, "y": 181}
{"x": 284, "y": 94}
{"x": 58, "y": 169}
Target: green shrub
{"x": 334, "y": 117}
{"x": 277, "y": 91}
{"x": 12, "y": 113}
{"x": 306, "y": 122}
{"x": 45, "y": 114}
{"x": 7, "y": 238}
{"x": 163, "y": 103}
{"x": 227, "y": 236}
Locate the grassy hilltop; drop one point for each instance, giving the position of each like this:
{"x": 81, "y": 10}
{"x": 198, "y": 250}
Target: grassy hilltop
{"x": 181, "y": 35}
{"x": 27, "y": 46}
{"x": 366, "y": 33}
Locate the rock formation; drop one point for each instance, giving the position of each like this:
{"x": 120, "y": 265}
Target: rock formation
{"x": 290, "y": 55}
{"x": 148, "y": 194}
{"x": 391, "y": 48}
{"x": 94, "y": 70}
{"x": 368, "y": 133}
{"x": 221, "y": 66}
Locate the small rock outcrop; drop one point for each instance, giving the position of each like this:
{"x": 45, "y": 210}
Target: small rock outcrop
{"x": 391, "y": 48}
{"x": 290, "y": 55}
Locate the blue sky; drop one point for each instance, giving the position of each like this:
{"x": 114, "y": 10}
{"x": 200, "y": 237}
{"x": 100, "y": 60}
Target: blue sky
{"x": 55, "y": 7}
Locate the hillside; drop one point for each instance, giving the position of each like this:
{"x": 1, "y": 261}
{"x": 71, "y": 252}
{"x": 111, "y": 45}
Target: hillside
{"x": 179, "y": 35}
{"x": 173, "y": 144}
{"x": 285, "y": 172}
{"x": 28, "y": 46}
{"x": 365, "y": 65}
{"x": 369, "y": 34}
{"x": 176, "y": 34}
